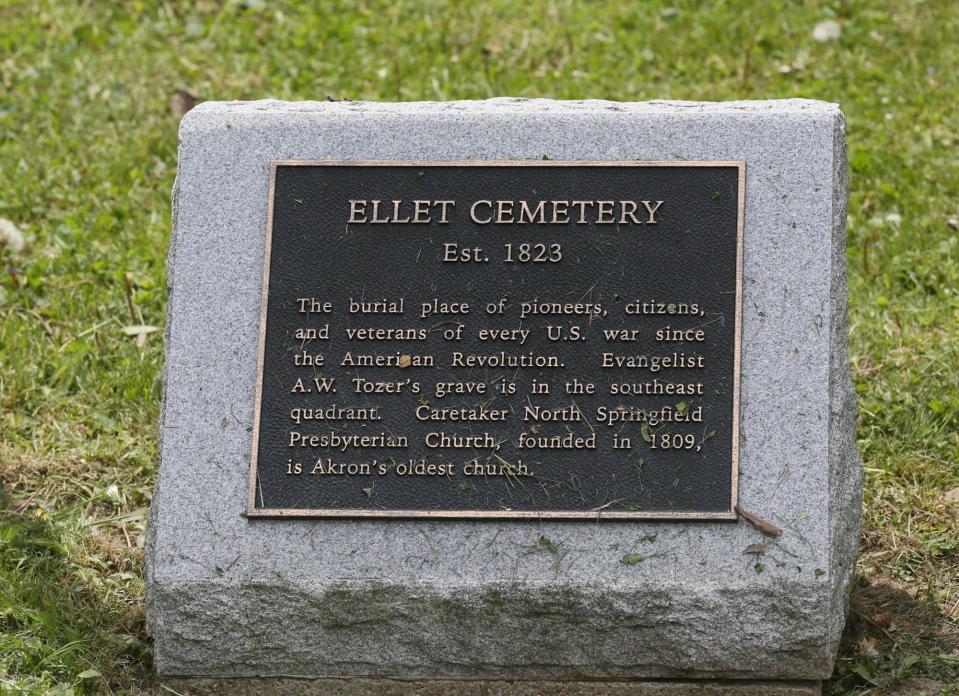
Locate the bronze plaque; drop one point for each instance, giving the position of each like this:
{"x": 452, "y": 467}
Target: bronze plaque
{"x": 500, "y": 339}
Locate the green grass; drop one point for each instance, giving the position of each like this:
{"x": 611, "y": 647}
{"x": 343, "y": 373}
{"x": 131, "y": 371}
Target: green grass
{"x": 87, "y": 160}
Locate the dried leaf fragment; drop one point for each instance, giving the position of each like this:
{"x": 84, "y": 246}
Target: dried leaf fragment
{"x": 181, "y": 102}
{"x": 138, "y": 329}
{"x": 10, "y": 236}
{"x": 830, "y": 30}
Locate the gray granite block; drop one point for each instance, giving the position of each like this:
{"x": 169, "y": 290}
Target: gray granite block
{"x": 228, "y": 596}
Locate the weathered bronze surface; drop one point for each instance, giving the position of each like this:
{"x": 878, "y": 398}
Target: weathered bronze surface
{"x": 500, "y": 339}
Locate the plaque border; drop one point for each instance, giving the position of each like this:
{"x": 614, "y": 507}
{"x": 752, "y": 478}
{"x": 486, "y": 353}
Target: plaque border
{"x": 253, "y": 512}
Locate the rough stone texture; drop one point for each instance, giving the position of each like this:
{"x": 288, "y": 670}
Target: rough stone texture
{"x": 449, "y": 687}
{"x": 229, "y": 596}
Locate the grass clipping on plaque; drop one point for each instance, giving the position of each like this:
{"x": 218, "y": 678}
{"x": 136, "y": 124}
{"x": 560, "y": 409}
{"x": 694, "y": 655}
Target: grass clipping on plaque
{"x": 90, "y": 97}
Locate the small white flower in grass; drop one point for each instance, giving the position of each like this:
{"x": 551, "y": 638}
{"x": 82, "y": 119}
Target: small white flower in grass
{"x": 10, "y": 236}
{"x": 894, "y": 219}
{"x": 830, "y": 30}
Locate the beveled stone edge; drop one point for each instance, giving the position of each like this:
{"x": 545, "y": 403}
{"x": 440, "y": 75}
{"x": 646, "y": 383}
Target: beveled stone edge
{"x": 386, "y": 686}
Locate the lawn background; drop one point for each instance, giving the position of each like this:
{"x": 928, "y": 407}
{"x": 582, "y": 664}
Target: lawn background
{"x": 87, "y": 160}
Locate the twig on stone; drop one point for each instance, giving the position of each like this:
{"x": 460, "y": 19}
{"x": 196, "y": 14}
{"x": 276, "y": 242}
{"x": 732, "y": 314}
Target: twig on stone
{"x": 767, "y": 528}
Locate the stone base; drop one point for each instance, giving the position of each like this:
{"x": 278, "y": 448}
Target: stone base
{"x": 448, "y": 687}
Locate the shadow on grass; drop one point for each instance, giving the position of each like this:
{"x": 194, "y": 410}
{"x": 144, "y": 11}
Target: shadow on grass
{"x": 64, "y": 628}
{"x": 896, "y": 644}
